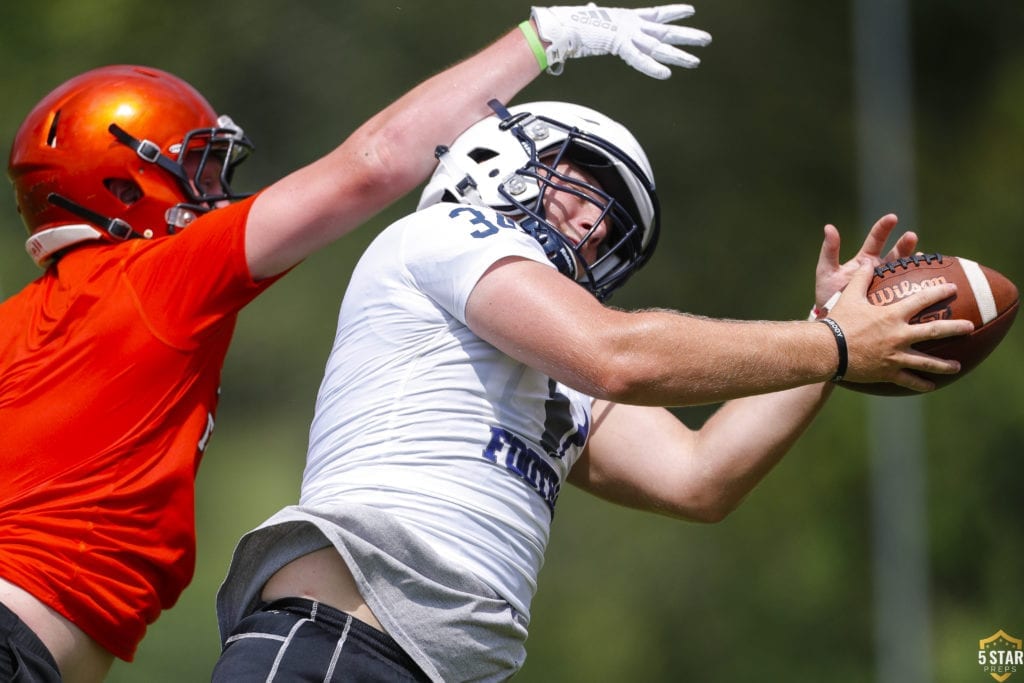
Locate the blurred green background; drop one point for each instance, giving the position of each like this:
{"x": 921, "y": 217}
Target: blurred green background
{"x": 754, "y": 152}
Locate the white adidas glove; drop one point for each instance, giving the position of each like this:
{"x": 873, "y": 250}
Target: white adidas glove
{"x": 641, "y": 37}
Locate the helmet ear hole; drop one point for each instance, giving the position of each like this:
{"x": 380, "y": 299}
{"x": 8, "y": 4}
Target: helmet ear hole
{"x": 126, "y": 190}
{"x": 482, "y": 154}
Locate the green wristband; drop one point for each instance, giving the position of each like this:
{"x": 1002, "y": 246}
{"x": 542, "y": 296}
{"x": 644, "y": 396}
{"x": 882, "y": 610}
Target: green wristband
{"x": 533, "y": 40}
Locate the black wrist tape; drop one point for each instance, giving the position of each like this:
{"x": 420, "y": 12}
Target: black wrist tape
{"x": 844, "y": 357}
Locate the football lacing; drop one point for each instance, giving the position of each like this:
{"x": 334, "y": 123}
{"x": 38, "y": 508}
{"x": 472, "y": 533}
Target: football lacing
{"x": 906, "y": 262}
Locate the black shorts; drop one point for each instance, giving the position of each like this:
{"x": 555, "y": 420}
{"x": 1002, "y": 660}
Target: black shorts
{"x": 23, "y": 657}
{"x": 295, "y": 639}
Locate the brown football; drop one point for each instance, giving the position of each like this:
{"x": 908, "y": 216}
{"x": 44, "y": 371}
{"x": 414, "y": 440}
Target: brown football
{"x": 984, "y": 296}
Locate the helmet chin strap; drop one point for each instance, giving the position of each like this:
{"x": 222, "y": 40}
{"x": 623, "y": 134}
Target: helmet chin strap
{"x": 148, "y": 151}
{"x": 177, "y": 217}
{"x": 115, "y": 227}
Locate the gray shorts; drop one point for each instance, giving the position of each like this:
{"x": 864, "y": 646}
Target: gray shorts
{"x": 452, "y": 625}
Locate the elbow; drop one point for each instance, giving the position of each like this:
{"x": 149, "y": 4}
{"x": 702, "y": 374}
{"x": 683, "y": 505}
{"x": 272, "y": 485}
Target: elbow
{"x": 385, "y": 160}
{"x": 708, "y": 506}
{"x": 354, "y": 181}
{"x": 612, "y": 360}
{"x": 712, "y": 514}
{"x": 370, "y": 165}
{"x": 620, "y": 379}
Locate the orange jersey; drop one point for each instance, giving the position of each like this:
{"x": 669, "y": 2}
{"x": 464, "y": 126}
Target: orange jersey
{"x": 109, "y": 373}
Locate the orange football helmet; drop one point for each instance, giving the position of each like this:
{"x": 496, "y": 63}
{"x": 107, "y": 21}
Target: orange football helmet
{"x": 120, "y": 152}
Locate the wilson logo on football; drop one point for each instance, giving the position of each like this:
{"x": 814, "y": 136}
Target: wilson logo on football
{"x": 884, "y": 296}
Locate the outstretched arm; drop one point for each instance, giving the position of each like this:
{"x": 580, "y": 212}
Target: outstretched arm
{"x": 392, "y": 153}
{"x": 645, "y": 458}
{"x": 668, "y": 358}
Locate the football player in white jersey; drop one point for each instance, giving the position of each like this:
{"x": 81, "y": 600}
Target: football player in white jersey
{"x": 476, "y": 370}
{"x": 105, "y": 167}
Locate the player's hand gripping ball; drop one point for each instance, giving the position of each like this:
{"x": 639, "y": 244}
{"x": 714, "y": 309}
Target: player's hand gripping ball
{"x": 985, "y": 297}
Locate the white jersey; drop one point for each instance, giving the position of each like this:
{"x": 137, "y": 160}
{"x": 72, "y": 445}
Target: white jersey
{"x": 419, "y": 417}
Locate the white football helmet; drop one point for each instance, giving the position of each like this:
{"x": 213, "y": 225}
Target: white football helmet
{"x": 507, "y": 162}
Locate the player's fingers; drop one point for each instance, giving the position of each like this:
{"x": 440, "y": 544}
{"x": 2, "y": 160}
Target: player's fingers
{"x": 922, "y": 362}
{"x": 663, "y": 13}
{"x": 828, "y": 257}
{"x": 911, "y": 380}
{"x": 667, "y": 54}
{"x": 939, "y": 329}
{"x": 905, "y": 246}
{"x": 861, "y": 279}
{"x": 923, "y": 298}
{"x": 677, "y": 35}
{"x": 914, "y": 361}
{"x": 875, "y": 241}
{"x": 646, "y": 64}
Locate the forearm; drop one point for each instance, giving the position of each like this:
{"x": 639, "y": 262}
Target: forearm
{"x": 384, "y": 159}
{"x": 689, "y": 360}
{"x": 440, "y": 108}
{"x": 650, "y": 358}
{"x": 745, "y": 438}
{"x": 646, "y": 458}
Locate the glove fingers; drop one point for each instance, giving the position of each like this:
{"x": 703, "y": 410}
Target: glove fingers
{"x": 643, "y": 38}
{"x": 678, "y": 35}
{"x": 664, "y": 13}
{"x": 642, "y": 59}
{"x": 667, "y": 54}
{"x": 646, "y": 65}
{"x": 664, "y": 53}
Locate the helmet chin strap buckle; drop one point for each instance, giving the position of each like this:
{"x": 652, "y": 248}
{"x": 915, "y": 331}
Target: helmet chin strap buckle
{"x": 148, "y": 151}
{"x": 115, "y": 227}
{"x": 119, "y": 229}
{"x": 467, "y": 187}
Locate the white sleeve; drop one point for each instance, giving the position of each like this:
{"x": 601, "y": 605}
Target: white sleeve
{"x": 457, "y": 246}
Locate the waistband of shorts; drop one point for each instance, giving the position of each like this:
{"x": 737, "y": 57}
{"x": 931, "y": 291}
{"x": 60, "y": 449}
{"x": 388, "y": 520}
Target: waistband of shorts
{"x": 336, "y": 620}
{"x": 19, "y": 632}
